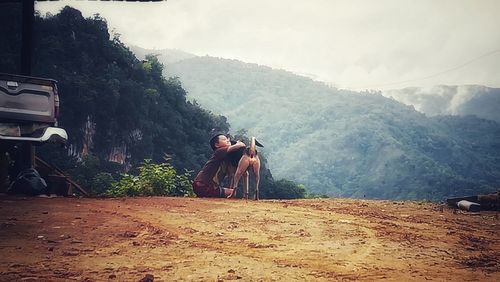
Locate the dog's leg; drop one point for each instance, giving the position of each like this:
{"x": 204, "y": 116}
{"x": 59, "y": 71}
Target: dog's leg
{"x": 256, "y": 172}
{"x": 245, "y": 185}
{"x": 242, "y": 167}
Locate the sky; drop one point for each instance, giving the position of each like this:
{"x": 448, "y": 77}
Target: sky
{"x": 353, "y": 44}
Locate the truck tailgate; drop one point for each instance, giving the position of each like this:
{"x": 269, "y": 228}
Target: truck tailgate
{"x": 28, "y": 99}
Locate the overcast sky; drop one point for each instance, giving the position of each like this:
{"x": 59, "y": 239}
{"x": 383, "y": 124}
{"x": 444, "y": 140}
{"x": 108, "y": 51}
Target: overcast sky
{"x": 348, "y": 44}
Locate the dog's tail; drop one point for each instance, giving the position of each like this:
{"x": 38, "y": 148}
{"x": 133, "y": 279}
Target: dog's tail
{"x": 258, "y": 143}
{"x": 252, "y": 150}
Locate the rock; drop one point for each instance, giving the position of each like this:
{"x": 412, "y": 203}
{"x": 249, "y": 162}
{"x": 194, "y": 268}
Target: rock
{"x": 147, "y": 278}
{"x": 72, "y": 253}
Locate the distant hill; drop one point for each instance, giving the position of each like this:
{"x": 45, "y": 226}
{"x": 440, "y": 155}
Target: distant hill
{"x": 166, "y": 56}
{"x": 477, "y": 100}
{"x": 344, "y": 143}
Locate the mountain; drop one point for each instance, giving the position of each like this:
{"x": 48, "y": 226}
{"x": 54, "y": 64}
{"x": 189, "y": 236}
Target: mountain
{"x": 345, "y": 143}
{"x": 463, "y": 100}
{"x": 166, "y": 56}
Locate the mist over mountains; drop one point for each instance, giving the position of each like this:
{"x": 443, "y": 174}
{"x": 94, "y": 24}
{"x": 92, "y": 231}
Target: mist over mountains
{"x": 346, "y": 143}
{"x": 460, "y": 100}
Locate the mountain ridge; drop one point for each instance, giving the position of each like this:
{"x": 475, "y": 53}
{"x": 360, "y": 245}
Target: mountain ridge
{"x": 340, "y": 142}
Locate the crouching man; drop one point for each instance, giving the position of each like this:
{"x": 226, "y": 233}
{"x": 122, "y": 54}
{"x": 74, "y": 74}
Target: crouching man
{"x": 206, "y": 183}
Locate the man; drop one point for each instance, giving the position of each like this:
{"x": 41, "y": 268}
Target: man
{"x": 204, "y": 184}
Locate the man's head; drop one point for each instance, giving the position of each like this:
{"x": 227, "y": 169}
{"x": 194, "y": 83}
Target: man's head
{"x": 218, "y": 141}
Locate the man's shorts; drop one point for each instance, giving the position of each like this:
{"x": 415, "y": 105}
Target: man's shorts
{"x": 207, "y": 191}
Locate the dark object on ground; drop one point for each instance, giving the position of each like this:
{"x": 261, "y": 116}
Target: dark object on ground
{"x": 487, "y": 202}
{"x": 147, "y": 278}
{"x": 60, "y": 183}
{"x": 469, "y": 206}
{"x": 490, "y": 201}
{"x": 28, "y": 182}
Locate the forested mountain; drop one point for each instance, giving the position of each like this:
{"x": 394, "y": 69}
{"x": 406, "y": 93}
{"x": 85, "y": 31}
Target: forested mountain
{"x": 118, "y": 110}
{"x": 114, "y": 105}
{"x": 346, "y": 143}
{"x": 463, "y": 100}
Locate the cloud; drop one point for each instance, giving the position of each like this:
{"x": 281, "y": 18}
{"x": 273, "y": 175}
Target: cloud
{"x": 354, "y": 44}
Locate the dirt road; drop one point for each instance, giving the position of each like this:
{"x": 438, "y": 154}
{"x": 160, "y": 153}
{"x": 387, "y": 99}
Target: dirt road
{"x": 178, "y": 239}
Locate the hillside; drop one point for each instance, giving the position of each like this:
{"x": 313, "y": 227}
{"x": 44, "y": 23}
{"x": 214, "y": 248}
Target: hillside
{"x": 463, "y": 100}
{"x": 345, "y": 143}
{"x": 218, "y": 240}
{"x": 166, "y": 56}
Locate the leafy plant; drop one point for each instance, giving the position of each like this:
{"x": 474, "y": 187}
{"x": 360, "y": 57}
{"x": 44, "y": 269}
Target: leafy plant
{"x": 101, "y": 182}
{"x": 128, "y": 185}
{"x": 153, "y": 180}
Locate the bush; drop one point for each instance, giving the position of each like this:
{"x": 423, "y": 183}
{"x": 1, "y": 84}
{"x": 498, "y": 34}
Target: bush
{"x": 283, "y": 189}
{"x": 101, "y": 182}
{"x": 153, "y": 180}
{"x": 127, "y": 186}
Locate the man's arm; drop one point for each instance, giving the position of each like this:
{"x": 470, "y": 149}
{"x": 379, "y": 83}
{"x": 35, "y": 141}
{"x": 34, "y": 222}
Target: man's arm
{"x": 236, "y": 146}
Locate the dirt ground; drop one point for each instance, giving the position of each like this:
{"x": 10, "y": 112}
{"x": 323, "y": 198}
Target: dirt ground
{"x": 179, "y": 239}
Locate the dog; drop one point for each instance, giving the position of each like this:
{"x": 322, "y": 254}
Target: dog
{"x": 239, "y": 163}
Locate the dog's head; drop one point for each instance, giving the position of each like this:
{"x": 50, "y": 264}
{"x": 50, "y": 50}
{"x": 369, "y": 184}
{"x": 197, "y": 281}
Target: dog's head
{"x": 257, "y": 143}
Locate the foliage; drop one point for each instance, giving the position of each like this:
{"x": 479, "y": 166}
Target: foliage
{"x": 128, "y": 185}
{"x": 153, "y": 180}
{"x": 284, "y": 189}
{"x": 101, "y": 182}
{"x": 316, "y": 196}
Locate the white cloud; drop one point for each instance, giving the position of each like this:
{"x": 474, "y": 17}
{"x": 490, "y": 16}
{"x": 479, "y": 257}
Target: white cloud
{"x": 357, "y": 44}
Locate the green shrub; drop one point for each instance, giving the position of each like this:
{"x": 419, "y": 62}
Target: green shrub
{"x": 153, "y": 180}
{"x": 101, "y": 182}
{"x": 282, "y": 189}
{"x": 128, "y": 185}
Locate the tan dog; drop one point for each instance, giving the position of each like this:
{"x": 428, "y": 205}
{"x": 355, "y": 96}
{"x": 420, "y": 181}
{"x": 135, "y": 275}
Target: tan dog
{"x": 249, "y": 160}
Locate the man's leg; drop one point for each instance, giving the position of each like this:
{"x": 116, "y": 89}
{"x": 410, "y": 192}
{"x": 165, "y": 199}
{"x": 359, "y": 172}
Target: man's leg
{"x": 202, "y": 190}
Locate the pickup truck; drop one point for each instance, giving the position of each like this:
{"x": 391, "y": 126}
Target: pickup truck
{"x": 29, "y": 107}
